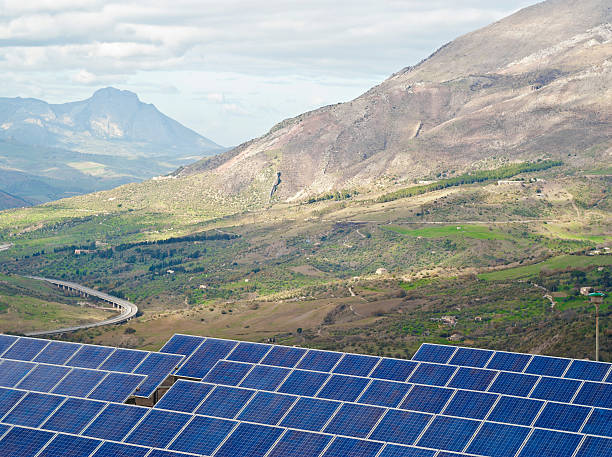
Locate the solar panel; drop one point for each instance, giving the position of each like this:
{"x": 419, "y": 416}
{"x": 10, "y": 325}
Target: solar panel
{"x": 343, "y": 447}
{"x": 115, "y": 422}
{"x": 300, "y": 443}
{"x": 547, "y": 366}
{"x": 160, "y": 453}
{"x": 8, "y": 399}
{"x": 225, "y": 402}
{"x": 498, "y": 440}
{"x": 546, "y": 442}
{"x": 472, "y": 378}
{"x": 384, "y": 393}
{"x": 473, "y": 405}
{"x": 587, "y": 370}
{"x": 249, "y": 440}
{"x": 33, "y": 409}
{"x": 595, "y": 394}
{"x": 432, "y": 374}
{"x": 3, "y": 429}
{"x": 158, "y": 428}
{"x": 513, "y": 410}
{"x": 344, "y": 388}
{"x": 70, "y": 446}
{"x": 392, "y": 450}
{"x": 182, "y": 344}
{"x": 283, "y": 356}
{"x": 354, "y": 420}
{"x": 267, "y": 408}
{"x": 73, "y": 415}
{"x": 79, "y": 382}
{"x": 205, "y": 357}
{"x": 249, "y": 352}
{"x": 448, "y": 433}
{"x": 25, "y": 349}
{"x": 89, "y": 356}
{"x": 157, "y": 367}
{"x": 556, "y": 389}
{"x": 310, "y": 414}
{"x": 265, "y": 378}
{"x": 227, "y": 373}
{"x": 319, "y": 360}
{"x": 124, "y": 360}
{"x": 599, "y": 423}
{"x": 513, "y": 384}
{"x": 57, "y": 352}
{"x": 402, "y": 427}
{"x": 356, "y": 365}
{"x": 184, "y": 396}
{"x": 202, "y": 435}
{"x": 301, "y": 382}
{"x": 394, "y": 369}
{"x": 469, "y": 357}
{"x": 558, "y": 416}
{"x": 13, "y": 371}
{"x": 120, "y": 450}
{"x": 116, "y": 387}
{"x": 595, "y": 447}
{"x": 23, "y": 442}
{"x": 43, "y": 378}
{"x": 509, "y": 361}
{"x": 427, "y": 399}
{"x": 5, "y": 342}
{"x": 434, "y": 353}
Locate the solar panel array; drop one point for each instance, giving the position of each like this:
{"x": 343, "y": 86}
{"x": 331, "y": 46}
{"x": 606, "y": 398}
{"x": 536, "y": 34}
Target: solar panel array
{"x": 248, "y": 399}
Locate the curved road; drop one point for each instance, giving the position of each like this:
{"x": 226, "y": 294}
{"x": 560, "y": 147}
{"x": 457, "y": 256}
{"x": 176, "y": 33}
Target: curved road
{"x": 128, "y": 309}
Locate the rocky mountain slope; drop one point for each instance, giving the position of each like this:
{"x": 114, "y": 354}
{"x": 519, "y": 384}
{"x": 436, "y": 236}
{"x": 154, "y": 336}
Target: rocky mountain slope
{"x": 537, "y": 84}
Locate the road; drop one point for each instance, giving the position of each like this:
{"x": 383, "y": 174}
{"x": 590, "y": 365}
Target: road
{"x": 128, "y": 309}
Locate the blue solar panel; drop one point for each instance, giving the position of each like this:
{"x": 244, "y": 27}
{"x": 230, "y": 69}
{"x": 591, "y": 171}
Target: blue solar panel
{"x": 548, "y": 443}
{"x": 205, "y": 357}
{"x": 547, "y": 366}
{"x": 227, "y": 373}
{"x": 394, "y": 369}
{"x": 432, "y": 374}
{"x": 474, "y": 405}
{"x": 402, "y": 427}
{"x": 498, "y": 440}
{"x": 249, "y": 352}
{"x": 120, "y": 450}
{"x": 303, "y": 444}
{"x": 310, "y": 414}
{"x": 468, "y": 357}
{"x": 558, "y": 416}
{"x": 354, "y": 420}
{"x": 8, "y": 398}
{"x": 319, "y": 360}
{"x": 73, "y": 415}
{"x": 512, "y": 410}
{"x": 89, "y": 356}
{"x": 43, "y": 378}
{"x": 23, "y": 442}
{"x": 3, "y": 429}
{"x": 508, "y": 361}
{"x": 70, "y": 446}
{"x": 344, "y": 388}
{"x": 157, "y": 367}
{"x": 25, "y": 349}
{"x": 587, "y": 370}
{"x": 160, "y": 453}
{"x": 182, "y": 344}
{"x": 283, "y": 356}
{"x": 5, "y": 342}
{"x": 427, "y": 399}
{"x": 595, "y": 447}
{"x": 448, "y": 433}
{"x": 595, "y": 394}
{"x": 57, "y": 352}
{"x": 158, "y": 428}
{"x": 184, "y": 396}
{"x": 124, "y": 360}
{"x": 384, "y": 393}
{"x": 434, "y": 353}
{"x": 13, "y": 371}
{"x": 267, "y": 408}
{"x": 115, "y": 422}
{"x": 116, "y": 387}
{"x": 79, "y": 382}
{"x": 344, "y": 447}
{"x": 249, "y": 440}
{"x": 203, "y": 435}
{"x": 265, "y": 378}
{"x": 356, "y": 365}
{"x": 555, "y": 389}
{"x": 599, "y": 423}
{"x": 392, "y": 450}
{"x": 305, "y": 383}
{"x": 33, "y": 409}
{"x": 513, "y": 384}
{"x": 225, "y": 402}
{"x": 472, "y": 378}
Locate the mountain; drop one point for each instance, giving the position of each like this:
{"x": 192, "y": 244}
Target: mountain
{"x": 109, "y": 139}
{"x": 537, "y": 84}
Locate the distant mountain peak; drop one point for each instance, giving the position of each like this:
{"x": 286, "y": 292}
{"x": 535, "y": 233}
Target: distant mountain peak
{"x": 112, "y": 92}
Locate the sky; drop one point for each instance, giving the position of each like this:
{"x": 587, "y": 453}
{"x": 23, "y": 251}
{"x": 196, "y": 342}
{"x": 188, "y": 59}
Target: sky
{"x": 229, "y": 69}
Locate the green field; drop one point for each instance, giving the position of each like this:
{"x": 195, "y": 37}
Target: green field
{"x": 479, "y": 232}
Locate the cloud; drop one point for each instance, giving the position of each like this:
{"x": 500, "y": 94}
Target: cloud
{"x": 85, "y": 77}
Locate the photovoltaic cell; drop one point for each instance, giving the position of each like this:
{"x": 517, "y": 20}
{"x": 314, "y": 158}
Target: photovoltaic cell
{"x": 512, "y": 410}
{"x": 23, "y": 442}
{"x": 354, "y": 420}
{"x": 473, "y": 405}
{"x": 25, "y": 349}
{"x": 203, "y": 435}
{"x": 79, "y": 382}
{"x": 319, "y": 360}
{"x": 498, "y": 440}
{"x": 513, "y": 384}
{"x": 299, "y": 443}
{"x": 115, "y": 422}
{"x": 160, "y": 453}
{"x": 508, "y": 361}
{"x": 265, "y": 378}
{"x": 57, "y": 352}
{"x": 394, "y": 370}
{"x": 283, "y": 356}
{"x": 587, "y": 370}
{"x": 70, "y": 446}
{"x": 595, "y": 394}
{"x": 558, "y": 416}
{"x": 392, "y": 450}
{"x": 8, "y": 398}
{"x": 402, "y": 427}
{"x": 468, "y": 357}
{"x": 599, "y": 423}
{"x": 89, "y": 356}
{"x": 157, "y": 367}
{"x": 120, "y": 450}
{"x": 43, "y": 378}
{"x": 225, "y": 402}
{"x": 158, "y": 428}
{"x": 33, "y": 409}
{"x": 555, "y": 389}
{"x": 249, "y": 352}
{"x": 595, "y": 447}
{"x": 305, "y": 383}
{"x": 182, "y": 344}
{"x": 427, "y": 399}
{"x": 227, "y": 373}
{"x": 434, "y": 353}
{"x": 472, "y": 378}
{"x": 249, "y": 440}
{"x": 448, "y": 433}
{"x": 124, "y": 360}
{"x": 184, "y": 396}
{"x": 73, "y": 415}
{"x": 5, "y": 342}
{"x": 310, "y": 414}
{"x": 547, "y": 366}
{"x": 545, "y": 442}
{"x": 432, "y": 374}
{"x": 384, "y": 393}
{"x": 205, "y": 357}
{"x": 267, "y": 408}
{"x": 116, "y": 387}
{"x": 343, "y": 447}
{"x": 356, "y": 365}
{"x": 343, "y": 388}
{"x": 13, "y": 371}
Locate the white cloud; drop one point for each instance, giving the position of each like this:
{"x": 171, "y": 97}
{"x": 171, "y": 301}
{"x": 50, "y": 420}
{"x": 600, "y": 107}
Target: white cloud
{"x": 84, "y": 77}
